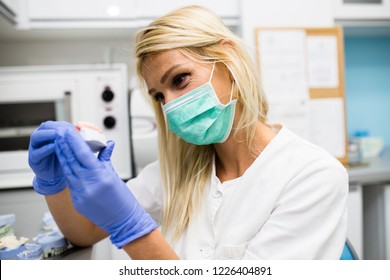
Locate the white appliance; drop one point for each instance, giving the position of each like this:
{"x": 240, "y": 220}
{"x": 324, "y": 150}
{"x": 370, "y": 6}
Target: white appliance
{"x": 355, "y": 218}
{"x": 33, "y": 94}
{"x": 144, "y": 129}
{"x": 377, "y": 222}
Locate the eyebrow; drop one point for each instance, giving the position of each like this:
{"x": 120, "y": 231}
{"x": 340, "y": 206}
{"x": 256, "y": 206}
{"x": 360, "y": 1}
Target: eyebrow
{"x": 165, "y": 76}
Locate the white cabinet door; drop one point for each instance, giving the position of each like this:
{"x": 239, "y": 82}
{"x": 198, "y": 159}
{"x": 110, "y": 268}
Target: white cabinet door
{"x": 153, "y": 8}
{"x": 361, "y": 9}
{"x": 51, "y": 14}
{"x": 387, "y": 220}
{"x": 120, "y": 9}
{"x": 355, "y": 218}
{"x": 80, "y": 9}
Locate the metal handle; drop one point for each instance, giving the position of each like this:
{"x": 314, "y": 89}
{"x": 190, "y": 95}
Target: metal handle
{"x": 67, "y": 106}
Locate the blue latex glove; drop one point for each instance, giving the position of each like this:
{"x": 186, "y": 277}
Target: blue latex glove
{"x": 49, "y": 178}
{"x": 97, "y": 191}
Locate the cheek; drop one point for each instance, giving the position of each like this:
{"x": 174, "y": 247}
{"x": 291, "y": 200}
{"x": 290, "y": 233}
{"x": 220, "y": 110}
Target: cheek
{"x": 223, "y": 92}
{"x": 172, "y": 93}
{"x": 222, "y": 85}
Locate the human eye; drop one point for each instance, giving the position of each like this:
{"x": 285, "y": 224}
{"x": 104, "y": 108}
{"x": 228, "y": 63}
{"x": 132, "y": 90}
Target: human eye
{"x": 178, "y": 81}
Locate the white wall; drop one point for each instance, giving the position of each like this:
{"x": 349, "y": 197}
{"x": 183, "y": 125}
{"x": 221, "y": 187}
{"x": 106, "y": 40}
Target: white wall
{"x": 65, "y": 46}
{"x": 57, "y": 52}
{"x": 283, "y": 13}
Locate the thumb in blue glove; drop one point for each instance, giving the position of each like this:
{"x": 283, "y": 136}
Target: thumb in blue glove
{"x": 49, "y": 178}
{"x": 105, "y": 154}
{"x": 97, "y": 191}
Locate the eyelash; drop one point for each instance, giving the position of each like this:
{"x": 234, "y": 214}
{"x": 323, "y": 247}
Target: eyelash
{"x": 176, "y": 83}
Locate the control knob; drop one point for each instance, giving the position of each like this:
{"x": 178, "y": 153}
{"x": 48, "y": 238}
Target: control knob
{"x": 108, "y": 94}
{"x": 109, "y": 122}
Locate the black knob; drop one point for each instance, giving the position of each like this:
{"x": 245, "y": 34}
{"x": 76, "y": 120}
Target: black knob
{"x": 109, "y": 122}
{"x": 107, "y": 94}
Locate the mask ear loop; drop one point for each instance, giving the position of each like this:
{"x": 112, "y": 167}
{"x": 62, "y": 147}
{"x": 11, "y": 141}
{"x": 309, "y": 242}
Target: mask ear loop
{"x": 231, "y": 92}
{"x": 234, "y": 78}
{"x": 212, "y": 72}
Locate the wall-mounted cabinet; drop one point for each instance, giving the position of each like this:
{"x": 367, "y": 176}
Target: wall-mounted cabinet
{"x": 75, "y": 10}
{"x": 73, "y": 13}
{"x": 229, "y": 10}
{"x": 49, "y": 14}
{"x": 361, "y": 10}
{"x": 368, "y": 18}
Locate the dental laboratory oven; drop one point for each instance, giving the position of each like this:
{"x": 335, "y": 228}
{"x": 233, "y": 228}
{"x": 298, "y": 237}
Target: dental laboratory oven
{"x": 88, "y": 93}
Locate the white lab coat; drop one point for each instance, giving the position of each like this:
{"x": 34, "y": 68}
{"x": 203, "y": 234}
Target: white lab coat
{"x": 289, "y": 204}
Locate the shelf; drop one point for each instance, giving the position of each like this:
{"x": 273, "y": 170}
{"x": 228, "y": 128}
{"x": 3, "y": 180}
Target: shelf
{"x": 366, "y": 29}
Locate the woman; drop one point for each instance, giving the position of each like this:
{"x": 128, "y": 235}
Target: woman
{"x": 227, "y": 185}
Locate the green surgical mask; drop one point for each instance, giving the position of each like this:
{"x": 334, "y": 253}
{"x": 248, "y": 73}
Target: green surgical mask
{"x": 198, "y": 117}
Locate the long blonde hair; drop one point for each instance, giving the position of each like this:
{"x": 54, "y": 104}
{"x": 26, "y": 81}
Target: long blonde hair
{"x": 186, "y": 168}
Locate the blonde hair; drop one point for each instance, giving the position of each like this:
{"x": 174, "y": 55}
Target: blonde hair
{"x": 186, "y": 168}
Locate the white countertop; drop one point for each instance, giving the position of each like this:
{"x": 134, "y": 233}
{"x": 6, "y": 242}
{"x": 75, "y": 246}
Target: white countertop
{"x": 372, "y": 171}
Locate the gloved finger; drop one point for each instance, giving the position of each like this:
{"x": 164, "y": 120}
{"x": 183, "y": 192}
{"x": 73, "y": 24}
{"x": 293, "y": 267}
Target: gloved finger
{"x": 66, "y": 158}
{"x": 42, "y": 137}
{"x": 106, "y": 153}
{"x": 58, "y": 126}
{"x": 54, "y": 125}
{"x": 76, "y": 152}
{"x": 80, "y": 150}
{"x": 71, "y": 177}
{"x": 36, "y": 155}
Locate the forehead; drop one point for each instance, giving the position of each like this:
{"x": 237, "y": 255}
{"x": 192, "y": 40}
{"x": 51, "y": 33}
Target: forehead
{"x": 158, "y": 63}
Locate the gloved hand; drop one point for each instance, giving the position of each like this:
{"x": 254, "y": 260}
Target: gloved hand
{"x": 97, "y": 191}
{"x": 49, "y": 178}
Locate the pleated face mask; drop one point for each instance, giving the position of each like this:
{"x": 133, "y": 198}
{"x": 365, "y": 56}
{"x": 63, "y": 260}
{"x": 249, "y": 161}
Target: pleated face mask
{"x": 198, "y": 117}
